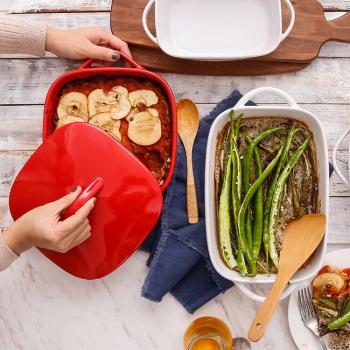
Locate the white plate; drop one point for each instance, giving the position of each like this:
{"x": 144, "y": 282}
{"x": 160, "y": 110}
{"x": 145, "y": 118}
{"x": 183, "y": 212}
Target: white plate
{"x": 218, "y": 29}
{"x": 303, "y": 338}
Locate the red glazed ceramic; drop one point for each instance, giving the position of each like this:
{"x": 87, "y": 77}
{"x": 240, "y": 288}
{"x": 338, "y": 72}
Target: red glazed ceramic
{"x": 135, "y": 70}
{"x": 129, "y": 199}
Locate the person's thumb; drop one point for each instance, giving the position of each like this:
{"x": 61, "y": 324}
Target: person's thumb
{"x": 103, "y": 53}
{"x": 65, "y": 201}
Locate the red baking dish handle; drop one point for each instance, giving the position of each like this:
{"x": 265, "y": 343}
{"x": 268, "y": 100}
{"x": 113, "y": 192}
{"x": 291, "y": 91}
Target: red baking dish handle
{"x": 89, "y": 192}
{"x": 89, "y": 62}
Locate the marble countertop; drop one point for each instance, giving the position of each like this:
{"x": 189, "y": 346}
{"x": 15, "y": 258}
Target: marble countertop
{"x": 42, "y": 308}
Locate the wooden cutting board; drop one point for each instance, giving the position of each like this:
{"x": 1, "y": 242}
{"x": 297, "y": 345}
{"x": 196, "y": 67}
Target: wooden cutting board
{"x": 310, "y": 32}
{"x": 155, "y": 59}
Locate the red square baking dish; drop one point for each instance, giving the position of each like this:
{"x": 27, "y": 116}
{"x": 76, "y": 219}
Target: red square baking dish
{"x": 128, "y": 195}
{"x": 134, "y": 70}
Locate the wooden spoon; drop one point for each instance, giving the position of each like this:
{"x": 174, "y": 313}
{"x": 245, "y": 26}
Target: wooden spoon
{"x": 301, "y": 238}
{"x": 188, "y": 122}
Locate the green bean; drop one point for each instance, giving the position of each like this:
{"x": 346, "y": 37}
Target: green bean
{"x": 276, "y": 199}
{"x": 346, "y": 308}
{"x": 272, "y": 187}
{"x": 247, "y": 158}
{"x": 339, "y": 322}
{"x": 296, "y": 203}
{"x": 225, "y": 216}
{"x": 258, "y": 209}
{"x": 236, "y": 189}
{"x": 243, "y": 211}
{"x": 258, "y": 205}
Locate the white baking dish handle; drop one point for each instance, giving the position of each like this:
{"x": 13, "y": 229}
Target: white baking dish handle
{"x": 334, "y": 159}
{"x": 292, "y": 19}
{"x": 271, "y": 90}
{"x": 260, "y": 299}
{"x": 144, "y": 21}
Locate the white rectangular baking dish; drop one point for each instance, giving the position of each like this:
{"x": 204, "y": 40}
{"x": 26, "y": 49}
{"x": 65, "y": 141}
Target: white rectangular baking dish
{"x": 292, "y": 111}
{"x": 218, "y": 29}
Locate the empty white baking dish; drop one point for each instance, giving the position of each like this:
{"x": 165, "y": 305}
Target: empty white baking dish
{"x": 292, "y": 110}
{"x": 218, "y": 29}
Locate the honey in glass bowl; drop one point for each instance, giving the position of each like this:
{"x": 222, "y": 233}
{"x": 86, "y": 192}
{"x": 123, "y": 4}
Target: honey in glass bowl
{"x": 208, "y": 333}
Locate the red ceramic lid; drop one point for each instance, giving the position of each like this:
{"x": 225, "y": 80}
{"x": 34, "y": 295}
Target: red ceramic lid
{"x": 129, "y": 199}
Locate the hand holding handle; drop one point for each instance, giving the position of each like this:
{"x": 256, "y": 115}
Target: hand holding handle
{"x": 132, "y": 63}
{"x": 84, "y": 196}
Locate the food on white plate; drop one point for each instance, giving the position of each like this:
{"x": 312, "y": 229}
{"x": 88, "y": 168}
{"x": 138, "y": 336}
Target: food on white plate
{"x": 147, "y": 97}
{"x": 265, "y": 176}
{"x": 111, "y": 103}
{"x": 106, "y": 122}
{"x": 144, "y": 129}
{"x": 69, "y": 119}
{"x": 73, "y": 104}
{"x": 331, "y": 301}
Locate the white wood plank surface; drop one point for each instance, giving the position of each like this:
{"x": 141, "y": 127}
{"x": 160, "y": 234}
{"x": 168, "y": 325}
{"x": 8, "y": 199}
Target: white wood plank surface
{"x": 27, "y": 6}
{"x": 327, "y": 80}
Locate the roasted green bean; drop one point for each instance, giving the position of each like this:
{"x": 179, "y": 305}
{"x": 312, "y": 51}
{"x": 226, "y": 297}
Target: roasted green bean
{"x": 247, "y": 158}
{"x": 225, "y": 216}
{"x": 272, "y": 187}
{"x": 340, "y": 321}
{"x": 258, "y": 208}
{"x": 236, "y": 189}
{"x": 276, "y": 199}
{"x": 243, "y": 211}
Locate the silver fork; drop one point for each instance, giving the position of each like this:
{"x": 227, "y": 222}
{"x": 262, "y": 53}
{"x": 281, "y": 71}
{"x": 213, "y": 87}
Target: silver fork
{"x": 308, "y": 314}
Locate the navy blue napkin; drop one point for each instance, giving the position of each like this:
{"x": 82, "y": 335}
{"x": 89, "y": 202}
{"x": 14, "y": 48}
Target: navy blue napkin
{"x": 179, "y": 262}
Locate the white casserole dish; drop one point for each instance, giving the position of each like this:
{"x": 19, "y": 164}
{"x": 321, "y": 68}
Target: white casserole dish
{"x": 218, "y": 29}
{"x": 292, "y": 111}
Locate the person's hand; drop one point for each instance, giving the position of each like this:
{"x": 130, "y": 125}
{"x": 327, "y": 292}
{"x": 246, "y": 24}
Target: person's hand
{"x": 92, "y": 42}
{"x": 43, "y": 227}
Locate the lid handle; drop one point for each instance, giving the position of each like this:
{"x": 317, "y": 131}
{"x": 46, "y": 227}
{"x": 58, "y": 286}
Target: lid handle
{"x": 132, "y": 63}
{"x": 89, "y": 192}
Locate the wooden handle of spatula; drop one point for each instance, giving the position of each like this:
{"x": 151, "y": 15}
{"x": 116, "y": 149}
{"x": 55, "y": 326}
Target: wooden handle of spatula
{"x": 192, "y": 206}
{"x": 266, "y": 310}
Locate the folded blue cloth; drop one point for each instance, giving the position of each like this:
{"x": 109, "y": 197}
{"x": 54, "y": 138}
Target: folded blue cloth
{"x": 179, "y": 262}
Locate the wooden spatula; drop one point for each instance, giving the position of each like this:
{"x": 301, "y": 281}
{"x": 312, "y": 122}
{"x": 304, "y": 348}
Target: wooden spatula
{"x": 301, "y": 238}
{"x": 188, "y": 121}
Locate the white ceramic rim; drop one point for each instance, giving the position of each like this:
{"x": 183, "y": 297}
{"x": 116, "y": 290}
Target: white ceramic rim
{"x": 322, "y": 156}
{"x": 218, "y": 57}
{"x": 335, "y": 162}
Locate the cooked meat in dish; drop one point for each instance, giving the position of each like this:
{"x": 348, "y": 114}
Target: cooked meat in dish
{"x": 134, "y": 111}
{"x": 265, "y": 176}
